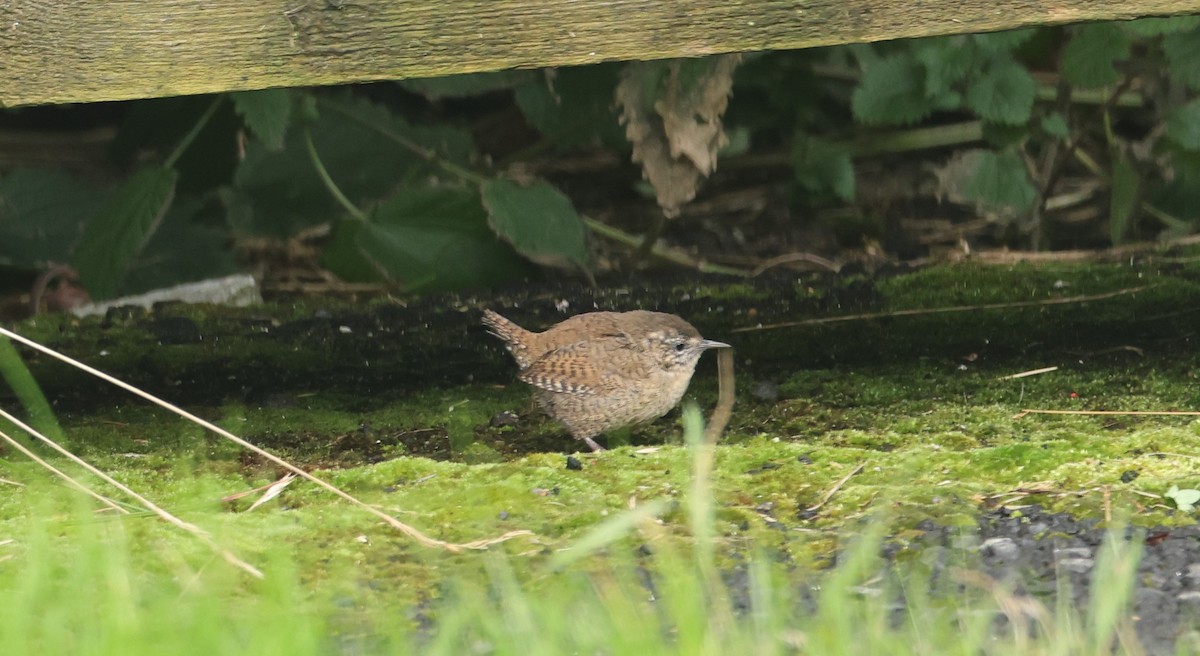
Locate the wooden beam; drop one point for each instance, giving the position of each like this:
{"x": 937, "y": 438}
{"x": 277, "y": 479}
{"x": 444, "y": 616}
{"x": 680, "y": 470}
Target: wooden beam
{"x": 63, "y": 51}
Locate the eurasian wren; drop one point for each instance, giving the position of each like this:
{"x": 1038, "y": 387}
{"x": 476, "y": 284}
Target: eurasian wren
{"x": 603, "y": 370}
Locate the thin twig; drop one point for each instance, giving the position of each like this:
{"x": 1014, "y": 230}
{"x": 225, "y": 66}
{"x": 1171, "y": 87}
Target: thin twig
{"x": 16, "y": 444}
{"x": 834, "y": 490}
{"x": 391, "y": 521}
{"x": 1131, "y": 413}
{"x": 1031, "y": 372}
{"x": 662, "y": 252}
{"x": 725, "y": 397}
{"x": 200, "y": 533}
{"x": 944, "y": 310}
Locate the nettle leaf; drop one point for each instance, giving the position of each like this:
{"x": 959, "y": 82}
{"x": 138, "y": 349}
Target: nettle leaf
{"x": 1183, "y": 127}
{"x": 187, "y": 247}
{"x": 431, "y": 238}
{"x": 42, "y": 214}
{"x": 1002, "y": 42}
{"x": 1055, "y": 125}
{"x": 1004, "y": 94}
{"x": 573, "y": 107}
{"x": 1183, "y": 56}
{"x": 1123, "y": 198}
{"x": 1148, "y": 27}
{"x": 114, "y": 237}
{"x": 1185, "y": 500}
{"x": 466, "y": 85}
{"x": 892, "y": 91}
{"x": 268, "y": 112}
{"x": 947, "y": 61}
{"x": 1087, "y": 61}
{"x": 1000, "y": 182}
{"x": 538, "y": 220}
{"x": 279, "y": 193}
{"x": 821, "y": 166}
{"x": 672, "y": 111}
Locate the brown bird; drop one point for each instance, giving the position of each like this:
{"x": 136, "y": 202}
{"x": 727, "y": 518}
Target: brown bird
{"x": 603, "y": 370}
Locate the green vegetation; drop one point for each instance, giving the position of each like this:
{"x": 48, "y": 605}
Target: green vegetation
{"x": 76, "y": 582}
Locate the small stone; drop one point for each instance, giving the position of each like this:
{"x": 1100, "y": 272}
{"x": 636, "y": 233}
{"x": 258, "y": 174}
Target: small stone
{"x": 1077, "y": 565}
{"x": 503, "y": 514}
{"x": 1000, "y": 548}
{"x": 574, "y": 464}
{"x": 1129, "y": 476}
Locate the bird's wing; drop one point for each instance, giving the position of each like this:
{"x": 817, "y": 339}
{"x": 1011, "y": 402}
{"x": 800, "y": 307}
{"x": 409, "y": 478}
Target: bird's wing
{"x": 569, "y": 369}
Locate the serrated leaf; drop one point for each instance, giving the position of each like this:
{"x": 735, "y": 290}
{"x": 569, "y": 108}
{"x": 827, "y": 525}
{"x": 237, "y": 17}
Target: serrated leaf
{"x": 821, "y": 166}
{"x": 1147, "y": 27}
{"x": 1002, "y": 42}
{"x": 672, "y": 114}
{"x": 42, "y": 214}
{"x": 892, "y": 91}
{"x": 1000, "y": 182}
{"x": 1004, "y": 94}
{"x": 573, "y": 107}
{"x": 1055, "y": 125}
{"x": 118, "y": 233}
{"x": 431, "y": 238}
{"x": 189, "y": 245}
{"x": 947, "y": 61}
{"x": 538, "y": 220}
{"x": 1088, "y": 60}
{"x": 1185, "y": 500}
{"x": 1183, "y": 126}
{"x": 268, "y": 112}
{"x": 279, "y": 193}
{"x": 1183, "y": 57}
{"x": 1122, "y": 198}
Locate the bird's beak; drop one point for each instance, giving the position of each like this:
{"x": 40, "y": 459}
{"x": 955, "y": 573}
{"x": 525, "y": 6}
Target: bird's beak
{"x": 708, "y": 343}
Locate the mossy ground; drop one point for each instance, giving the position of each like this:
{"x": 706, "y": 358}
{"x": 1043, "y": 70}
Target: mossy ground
{"x": 395, "y": 404}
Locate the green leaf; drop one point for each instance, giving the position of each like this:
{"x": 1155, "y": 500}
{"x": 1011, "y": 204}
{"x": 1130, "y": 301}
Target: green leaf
{"x": 1123, "y": 198}
{"x": 947, "y": 61}
{"x": 1004, "y": 94}
{"x": 538, "y": 220}
{"x": 432, "y": 238}
{"x": 1183, "y": 126}
{"x": 42, "y": 214}
{"x": 278, "y": 193}
{"x": 1185, "y": 500}
{"x": 1055, "y": 125}
{"x": 1147, "y": 27}
{"x": 1001, "y": 182}
{"x": 345, "y": 259}
{"x": 892, "y": 91}
{"x": 1002, "y": 42}
{"x": 822, "y": 166}
{"x": 191, "y": 244}
{"x": 1087, "y": 61}
{"x": 268, "y": 112}
{"x": 118, "y": 233}
{"x": 1183, "y": 57}
{"x": 574, "y": 106}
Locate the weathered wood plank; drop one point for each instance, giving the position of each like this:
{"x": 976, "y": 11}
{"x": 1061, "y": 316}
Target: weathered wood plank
{"x": 59, "y": 51}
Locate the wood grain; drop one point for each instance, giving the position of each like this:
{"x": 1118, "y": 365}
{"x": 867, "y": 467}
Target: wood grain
{"x": 62, "y": 51}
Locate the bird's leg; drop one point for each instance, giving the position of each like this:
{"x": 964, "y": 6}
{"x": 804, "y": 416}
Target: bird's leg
{"x": 592, "y": 443}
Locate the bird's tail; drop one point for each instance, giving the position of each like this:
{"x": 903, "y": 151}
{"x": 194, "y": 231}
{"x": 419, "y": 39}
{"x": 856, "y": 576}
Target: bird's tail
{"x": 503, "y": 328}
{"x": 515, "y": 337}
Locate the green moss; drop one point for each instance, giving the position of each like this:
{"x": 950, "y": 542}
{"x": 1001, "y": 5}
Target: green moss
{"x": 397, "y": 408}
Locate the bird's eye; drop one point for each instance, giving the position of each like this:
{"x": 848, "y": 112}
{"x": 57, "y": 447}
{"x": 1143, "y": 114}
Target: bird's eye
{"x": 679, "y": 347}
